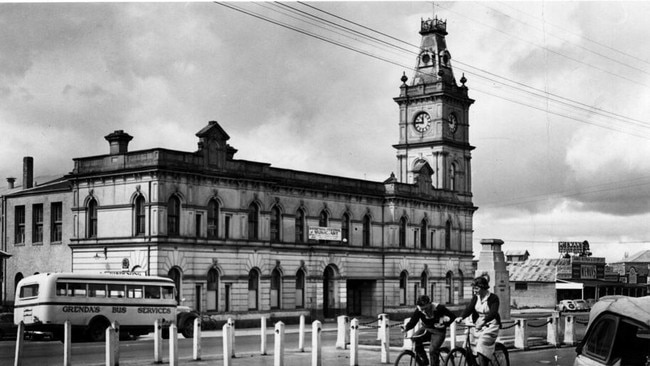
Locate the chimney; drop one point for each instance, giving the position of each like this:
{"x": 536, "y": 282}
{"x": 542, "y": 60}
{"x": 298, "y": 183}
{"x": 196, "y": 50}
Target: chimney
{"x": 28, "y": 172}
{"x": 10, "y": 182}
{"x": 119, "y": 142}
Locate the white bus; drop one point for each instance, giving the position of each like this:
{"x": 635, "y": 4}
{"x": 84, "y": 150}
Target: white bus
{"x": 91, "y": 302}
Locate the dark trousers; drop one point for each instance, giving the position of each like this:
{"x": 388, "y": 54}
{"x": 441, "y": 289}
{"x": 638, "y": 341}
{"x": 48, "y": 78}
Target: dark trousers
{"x": 437, "y": 338}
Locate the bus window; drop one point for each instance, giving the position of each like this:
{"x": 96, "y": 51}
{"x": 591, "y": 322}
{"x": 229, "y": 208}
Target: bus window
{"x": 96, "y": 290}
{"x": 168, "y": 292}
{"x": 115, "y": 290}
{"x": 134, "y": 291}
{"x": 61, "y": 289}
{"x": 77, "y": 289}
{"x": 29, "y": 291}
{"x": 152, "y": 292}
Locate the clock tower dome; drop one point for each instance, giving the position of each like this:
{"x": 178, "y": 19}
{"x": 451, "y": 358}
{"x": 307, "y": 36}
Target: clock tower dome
{"x": 433, "y": 118}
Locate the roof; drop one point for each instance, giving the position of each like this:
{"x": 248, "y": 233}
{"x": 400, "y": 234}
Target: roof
{"x": 637, "y": 308}
{"x": 535, "y": 270}
{"x": 517, "y": 252}
{"x": 640, "y": 257}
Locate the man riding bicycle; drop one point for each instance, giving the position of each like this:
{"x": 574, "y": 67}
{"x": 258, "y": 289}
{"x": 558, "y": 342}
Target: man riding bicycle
{"x": 435, "y": 320}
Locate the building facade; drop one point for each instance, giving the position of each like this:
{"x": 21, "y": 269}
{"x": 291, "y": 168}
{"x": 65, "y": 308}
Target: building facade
{"x": 241, "y": 238}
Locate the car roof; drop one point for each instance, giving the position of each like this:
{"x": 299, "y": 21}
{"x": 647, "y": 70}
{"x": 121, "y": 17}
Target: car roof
{"x": 637, "y": 308}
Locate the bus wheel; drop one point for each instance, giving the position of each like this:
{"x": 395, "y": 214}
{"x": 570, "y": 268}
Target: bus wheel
{"x": 96, "y": 331}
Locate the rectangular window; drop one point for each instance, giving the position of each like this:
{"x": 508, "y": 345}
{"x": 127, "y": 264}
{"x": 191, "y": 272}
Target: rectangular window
{"x": 152, "y": 292}
{"x": 61, "y": 289}
{"x": 168, "y": 292}
{"x": 19, "y": 226}
{"x": 226, "y": 228}
{"x": 523, "y": 286}
{"x": 96, "y": 290}
{"x": 56, "y": 222}
{"x": 37, "y": 223}
{"x": 199, "y": 217}
{"x": 116, "y": 291}
{"x": 134, "y": 291}
{"x": 77, "y": 289}
{"x": 29, "y": 291}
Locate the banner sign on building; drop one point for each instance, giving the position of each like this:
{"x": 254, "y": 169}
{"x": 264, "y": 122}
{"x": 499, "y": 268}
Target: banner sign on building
{"x": 324, "y": 233}
{"x": 576, "y": 247}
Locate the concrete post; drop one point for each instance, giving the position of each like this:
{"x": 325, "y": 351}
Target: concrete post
{"x": 173, "y": 344}
{"x": 232, "y": 337}
{"x": 278, "y": 355}
{"x": 110, "y": 347}
{"x": 301, "y": 334}
{"x": 569, "y": 335}
{"x": 263, "y": 335}
{"x": 316, "y": 351}
{"x": 453, "y": 332}
{"x": 20, "y": 341}
{"x": 553, "y": 329}
{"x": 196, "y": 341}
{"x": 380, "y": 319}
{"x": 354, "y": 342}
{"x": 157, "y": 341}
{"x": 385, "y": 340}
{"x": 343, "y": 335}
{"x": 492, "y": 262}
{"x": 521, "y": 334}
{"x": 67, "y": 343}
{"x": 227, "y": 344}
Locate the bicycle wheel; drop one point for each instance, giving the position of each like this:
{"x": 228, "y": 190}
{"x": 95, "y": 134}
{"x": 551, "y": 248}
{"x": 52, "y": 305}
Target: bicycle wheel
{"x": 501, "y": 357}
{"x": 406, "y": 358}
{"x": 457, "y": 357}
{"x": 444, "y": 352}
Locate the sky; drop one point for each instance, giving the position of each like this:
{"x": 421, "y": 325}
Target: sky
{"x": 560, "y": 123}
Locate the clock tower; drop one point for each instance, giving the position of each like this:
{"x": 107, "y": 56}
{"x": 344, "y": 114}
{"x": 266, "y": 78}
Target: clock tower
{"x": 433, "y": 118}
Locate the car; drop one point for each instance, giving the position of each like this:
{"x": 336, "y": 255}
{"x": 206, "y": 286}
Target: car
{"x": 7, "y": 327}
{"x": 618, "y": 333}
{"x": 566, "y": 305}
{"x": 581, "y": 305}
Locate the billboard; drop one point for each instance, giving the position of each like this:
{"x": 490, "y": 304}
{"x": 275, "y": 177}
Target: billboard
{"x": 324, "y": 233}
{"x": 576, "y": 247}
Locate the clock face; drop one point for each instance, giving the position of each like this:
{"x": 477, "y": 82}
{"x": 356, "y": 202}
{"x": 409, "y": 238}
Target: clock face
{"x": 422, "y": 122}
{"x": 453, "y": 123}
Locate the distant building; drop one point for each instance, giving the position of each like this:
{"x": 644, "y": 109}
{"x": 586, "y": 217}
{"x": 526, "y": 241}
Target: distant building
{"x": 634, "y": 269}
{"x": 517, "y": 255}
{"x": 532, "y": 283}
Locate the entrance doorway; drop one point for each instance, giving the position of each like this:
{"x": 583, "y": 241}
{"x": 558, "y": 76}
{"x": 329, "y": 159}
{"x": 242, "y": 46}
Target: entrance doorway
{"x": 360, "y": 298}
{"x": 329, "y": 292}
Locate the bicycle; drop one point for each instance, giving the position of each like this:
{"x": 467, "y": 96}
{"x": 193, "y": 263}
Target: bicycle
{"x": 408, "y": 357}
{"x": 463, "y": 356}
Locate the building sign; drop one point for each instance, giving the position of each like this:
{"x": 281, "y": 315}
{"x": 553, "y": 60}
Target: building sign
{"x": 576, "y": 247}
{"x": 324, "y": 233}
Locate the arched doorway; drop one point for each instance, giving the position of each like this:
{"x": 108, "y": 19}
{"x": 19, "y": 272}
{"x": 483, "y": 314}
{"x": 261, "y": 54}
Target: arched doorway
{"x": 329, "y": 292}
{"x": 176, "y": 275}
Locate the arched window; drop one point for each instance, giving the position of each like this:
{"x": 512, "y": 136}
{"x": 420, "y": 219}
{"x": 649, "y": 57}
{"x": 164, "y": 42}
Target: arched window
{"x": 423, "y": 234}
{"x": 449, "y": 287}
{"x": 19, "y": 276}
{"x": 632, "y": 276}
{"x": 253, "y": 221}
{"x": 173, "y": 216}
{"x": 176, "y": 276}
{"x": 92, "y": 218}
{"x": 276, "y": 289}
{"x": 300, "y": 226}
{"x": 345, "y": 228}
{"x": 366, "y": 231}
{"x": 276, "y": 220}
{"x": 452, "y": 177}
{"x": 213, "y": 219}
{"x": 300, "y": 289}
{"x": 424, "y": 282}
{"x": 253, "y": 289}
{"x": 403, "y": 287}
{"x": 139, "y": 215}
{"x": 213, "y": 289}
{"x": 323, "y": 221}
{"x": 402, "y": 232}
{"x": 448, "y": 235}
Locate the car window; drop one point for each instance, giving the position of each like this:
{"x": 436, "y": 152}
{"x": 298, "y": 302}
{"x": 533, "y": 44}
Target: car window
{"x": 632, "y": 344}
{"x": 601, "y": 339}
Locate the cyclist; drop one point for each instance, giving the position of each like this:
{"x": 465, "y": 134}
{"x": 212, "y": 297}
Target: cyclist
{"x": 435, "y": 319}
{"x": 484, "y": 309}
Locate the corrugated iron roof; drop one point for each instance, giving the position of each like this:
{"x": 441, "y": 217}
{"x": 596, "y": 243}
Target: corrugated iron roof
{"x": 535, "y": 270}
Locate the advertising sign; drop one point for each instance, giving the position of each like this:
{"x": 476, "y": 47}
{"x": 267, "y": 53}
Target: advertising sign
{"x": 576, "y": 247}
{"x": 324, "y": 233}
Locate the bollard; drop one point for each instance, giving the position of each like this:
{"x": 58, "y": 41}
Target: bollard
{"x": 116, "y": 341}
{"x": 385, "y": 340}
{"x": 569, "y": 323}
{"x": 232, "y": 337}
{"x": 343, "y": 336}
{"x": 196, "y": 341}
{"x": 301, "y": 334}
{"x": 110, "y": 347}
{"x": 354, "y": 342}
{"x": 380, "y": 318}
{"x": 20, "y": 340}
{"x": 521, "y": 334}
{"x": 453, "y": 330}
{"x": 67, "y": 343}
{"x": 316, "y": 351}
{"x": 278, "y": 355}
{"x": 227, "y": 339}
{"x": 553, "y": 329}
{"x": 408, "y": 342}
{"x": 173, "y": 344}
{"x": 157, "y": 341}
{"x": 263, "y": 335}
